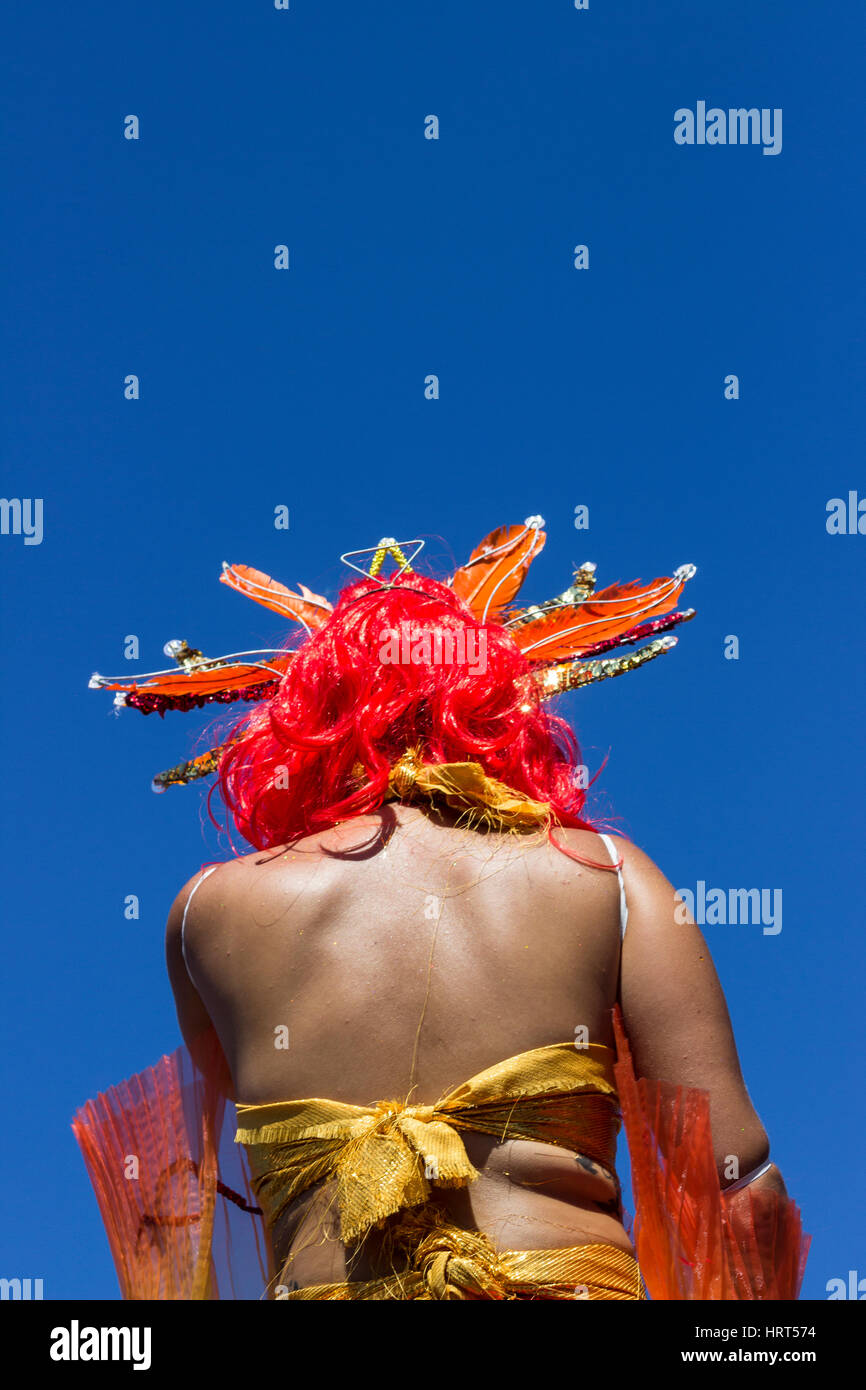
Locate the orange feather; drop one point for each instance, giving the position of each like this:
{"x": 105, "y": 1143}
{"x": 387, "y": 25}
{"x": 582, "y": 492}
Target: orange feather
{"x": 206, "y": 682}
{"x": 496, "y": 569}
{"x": 564, "y": 632}
{"x": 308, "y": 608}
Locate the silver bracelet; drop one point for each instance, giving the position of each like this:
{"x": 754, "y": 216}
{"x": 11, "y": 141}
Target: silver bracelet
{"x": 750, "y": 1177}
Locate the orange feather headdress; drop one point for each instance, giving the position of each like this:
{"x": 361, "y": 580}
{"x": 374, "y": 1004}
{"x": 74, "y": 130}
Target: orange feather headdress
{"x": 564, "y": 639}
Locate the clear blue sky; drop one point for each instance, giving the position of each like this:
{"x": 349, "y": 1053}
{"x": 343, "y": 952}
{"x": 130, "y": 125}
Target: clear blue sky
{"x": 305, "y": 388}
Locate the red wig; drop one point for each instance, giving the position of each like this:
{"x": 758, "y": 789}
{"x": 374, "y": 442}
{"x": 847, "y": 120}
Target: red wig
{"x": 367, "y": 686}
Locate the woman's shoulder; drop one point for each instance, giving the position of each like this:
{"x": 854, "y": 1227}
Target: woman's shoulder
{"x": 634, "y": 859}
{"x": 605, "y": 848}
{"x": 224, "y": 873}
{"x": 595, "y": 845}
{"x": 220, "y": 879}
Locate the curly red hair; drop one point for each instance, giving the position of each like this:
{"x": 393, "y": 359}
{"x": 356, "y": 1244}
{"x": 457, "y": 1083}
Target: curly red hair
{"x": 355, "y": 698}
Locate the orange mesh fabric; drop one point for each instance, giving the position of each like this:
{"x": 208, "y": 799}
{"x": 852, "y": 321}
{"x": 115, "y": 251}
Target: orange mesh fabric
{"x": 172, "y": 1187}
{"x": 693, "y": 1241}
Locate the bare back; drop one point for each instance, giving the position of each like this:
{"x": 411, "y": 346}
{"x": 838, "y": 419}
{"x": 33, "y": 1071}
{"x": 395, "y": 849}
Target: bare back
{"x": 472, "y": 947}
{"x": 397, "y": 955}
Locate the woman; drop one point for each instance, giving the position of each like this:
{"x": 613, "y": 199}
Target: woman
{"x": 430, "y": 941}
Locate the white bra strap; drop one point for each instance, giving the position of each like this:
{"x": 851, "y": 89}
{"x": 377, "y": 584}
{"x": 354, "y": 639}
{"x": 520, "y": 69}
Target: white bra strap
{"x": 623, "y": 906}
{"x": 749, "y": 1177}
{"x": 186, "y": 907}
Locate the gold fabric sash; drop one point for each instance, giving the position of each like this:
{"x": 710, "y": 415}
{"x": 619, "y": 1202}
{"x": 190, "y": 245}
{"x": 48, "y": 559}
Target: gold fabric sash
{"x": 385, "y": 1157}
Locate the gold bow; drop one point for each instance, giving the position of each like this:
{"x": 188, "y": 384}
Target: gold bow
{"x": 467, "y": 787}
{"x": 384, "y": 1157}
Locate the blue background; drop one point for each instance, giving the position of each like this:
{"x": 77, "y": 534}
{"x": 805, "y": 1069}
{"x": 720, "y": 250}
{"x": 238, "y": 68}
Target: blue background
{"x": 306, "y": 388}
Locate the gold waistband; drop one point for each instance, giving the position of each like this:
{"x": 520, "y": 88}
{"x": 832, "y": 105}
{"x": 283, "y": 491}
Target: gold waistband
{"x": 389, "y": 1156}
{"x": 446, "y": 1262}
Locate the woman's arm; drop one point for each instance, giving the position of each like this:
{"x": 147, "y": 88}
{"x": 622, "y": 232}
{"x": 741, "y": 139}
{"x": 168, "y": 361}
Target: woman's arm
{"x": 677, "y": 1020}
{"x": 196, "y": 1026}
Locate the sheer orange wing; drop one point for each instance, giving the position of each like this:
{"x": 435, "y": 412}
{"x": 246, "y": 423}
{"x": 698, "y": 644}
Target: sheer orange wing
{"x": 694, "y": 1241}
{"x": 173, "y": 1188}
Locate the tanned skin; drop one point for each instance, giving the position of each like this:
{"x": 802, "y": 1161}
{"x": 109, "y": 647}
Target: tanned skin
{"x": 405, "y": 954}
